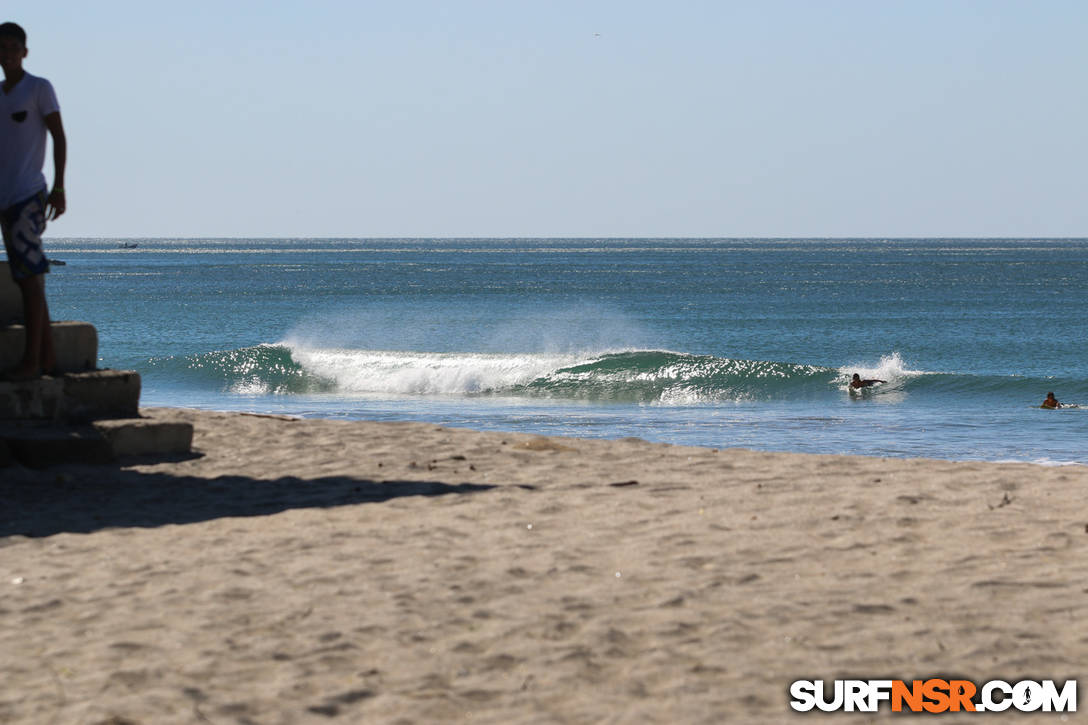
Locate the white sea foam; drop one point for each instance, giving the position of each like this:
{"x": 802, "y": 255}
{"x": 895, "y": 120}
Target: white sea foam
{"x": 687, "y": 395}
{"x": 426, "y": 373}
{"x": 890, "y": 368}
{"x": 1044, "y": 461}
{"x": 250, "y": 386}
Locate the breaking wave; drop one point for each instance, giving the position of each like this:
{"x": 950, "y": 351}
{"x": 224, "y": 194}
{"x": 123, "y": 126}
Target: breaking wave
{"x": 632, "y": 376}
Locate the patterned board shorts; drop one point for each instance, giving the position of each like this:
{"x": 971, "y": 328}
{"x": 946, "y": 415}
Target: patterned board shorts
{"x": 23, "y": 225}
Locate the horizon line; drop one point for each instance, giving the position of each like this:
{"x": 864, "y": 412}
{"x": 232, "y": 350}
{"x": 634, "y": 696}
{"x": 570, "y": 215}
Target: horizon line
{"x": 587, "y": 237}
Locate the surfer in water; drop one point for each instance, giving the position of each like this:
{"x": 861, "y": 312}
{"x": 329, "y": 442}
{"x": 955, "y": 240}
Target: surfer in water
{"x": 857, "y": 383}
{"x": 1050, "y": 402}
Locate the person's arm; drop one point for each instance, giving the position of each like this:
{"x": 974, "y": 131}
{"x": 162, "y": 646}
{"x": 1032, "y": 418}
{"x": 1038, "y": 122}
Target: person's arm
{"x": 57, "y": 202}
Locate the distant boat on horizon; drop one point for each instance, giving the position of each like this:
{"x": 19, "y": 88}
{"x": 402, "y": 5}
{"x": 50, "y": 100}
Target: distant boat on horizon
{"x": 129, "y": 245}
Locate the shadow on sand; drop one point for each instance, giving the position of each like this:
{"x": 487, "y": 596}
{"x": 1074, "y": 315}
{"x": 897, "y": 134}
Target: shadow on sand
{"x": 89, "y": 499}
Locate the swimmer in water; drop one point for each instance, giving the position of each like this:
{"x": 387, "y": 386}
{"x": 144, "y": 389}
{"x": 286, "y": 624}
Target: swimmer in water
{"x": 857, "y": 382}
{"x": 1050, "y": 402}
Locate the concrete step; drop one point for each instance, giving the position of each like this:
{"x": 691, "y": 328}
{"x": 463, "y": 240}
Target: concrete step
{"x": 39, "y": 444}
{"x": 101, "y": 394}
{"x": 73, "y": 397}
{"x": 11, "y": 299}
{"x": 76, "y": 344}
{"x": 146, "y": 436}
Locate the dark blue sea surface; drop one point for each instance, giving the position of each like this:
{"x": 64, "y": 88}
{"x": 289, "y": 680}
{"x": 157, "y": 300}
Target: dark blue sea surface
{"x": 710, "y": 342}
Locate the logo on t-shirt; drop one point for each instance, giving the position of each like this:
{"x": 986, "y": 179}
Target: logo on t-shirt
{"x": 18, "y": 116}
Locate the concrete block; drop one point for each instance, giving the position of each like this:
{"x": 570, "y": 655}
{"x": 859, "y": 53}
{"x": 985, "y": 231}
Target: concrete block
{"x": 75, "y": 397}
{"x": 101, "y": 394}
{"x": 11, "y": 299}
{"x": 40, "y": 446}
{"x": 146, "y": 436}
{"x": 76, "y": 344}
{"x": 41, "y": 399}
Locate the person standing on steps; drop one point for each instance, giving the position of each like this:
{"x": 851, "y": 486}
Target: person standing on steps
{"x": 28, "y": 111}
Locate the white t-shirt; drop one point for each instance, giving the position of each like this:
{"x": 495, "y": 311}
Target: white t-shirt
{"x": 22, "y": 137}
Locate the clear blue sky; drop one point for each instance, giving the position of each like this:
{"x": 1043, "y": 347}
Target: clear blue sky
{"x": 568, "y": 118}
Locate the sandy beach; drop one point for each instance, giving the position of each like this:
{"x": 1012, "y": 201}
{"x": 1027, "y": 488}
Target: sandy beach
{"x": 307, "y": 571}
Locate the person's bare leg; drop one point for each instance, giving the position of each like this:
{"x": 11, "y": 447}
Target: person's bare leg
{"x": 38, "y": 352}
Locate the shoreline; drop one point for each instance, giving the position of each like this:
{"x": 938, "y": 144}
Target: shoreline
{"x": 1049, "y": 459}
{"x": 301, "y": 569}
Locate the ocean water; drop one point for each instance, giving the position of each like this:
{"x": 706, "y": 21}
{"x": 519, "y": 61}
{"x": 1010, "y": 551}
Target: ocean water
{"x": 709, "y": 342}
